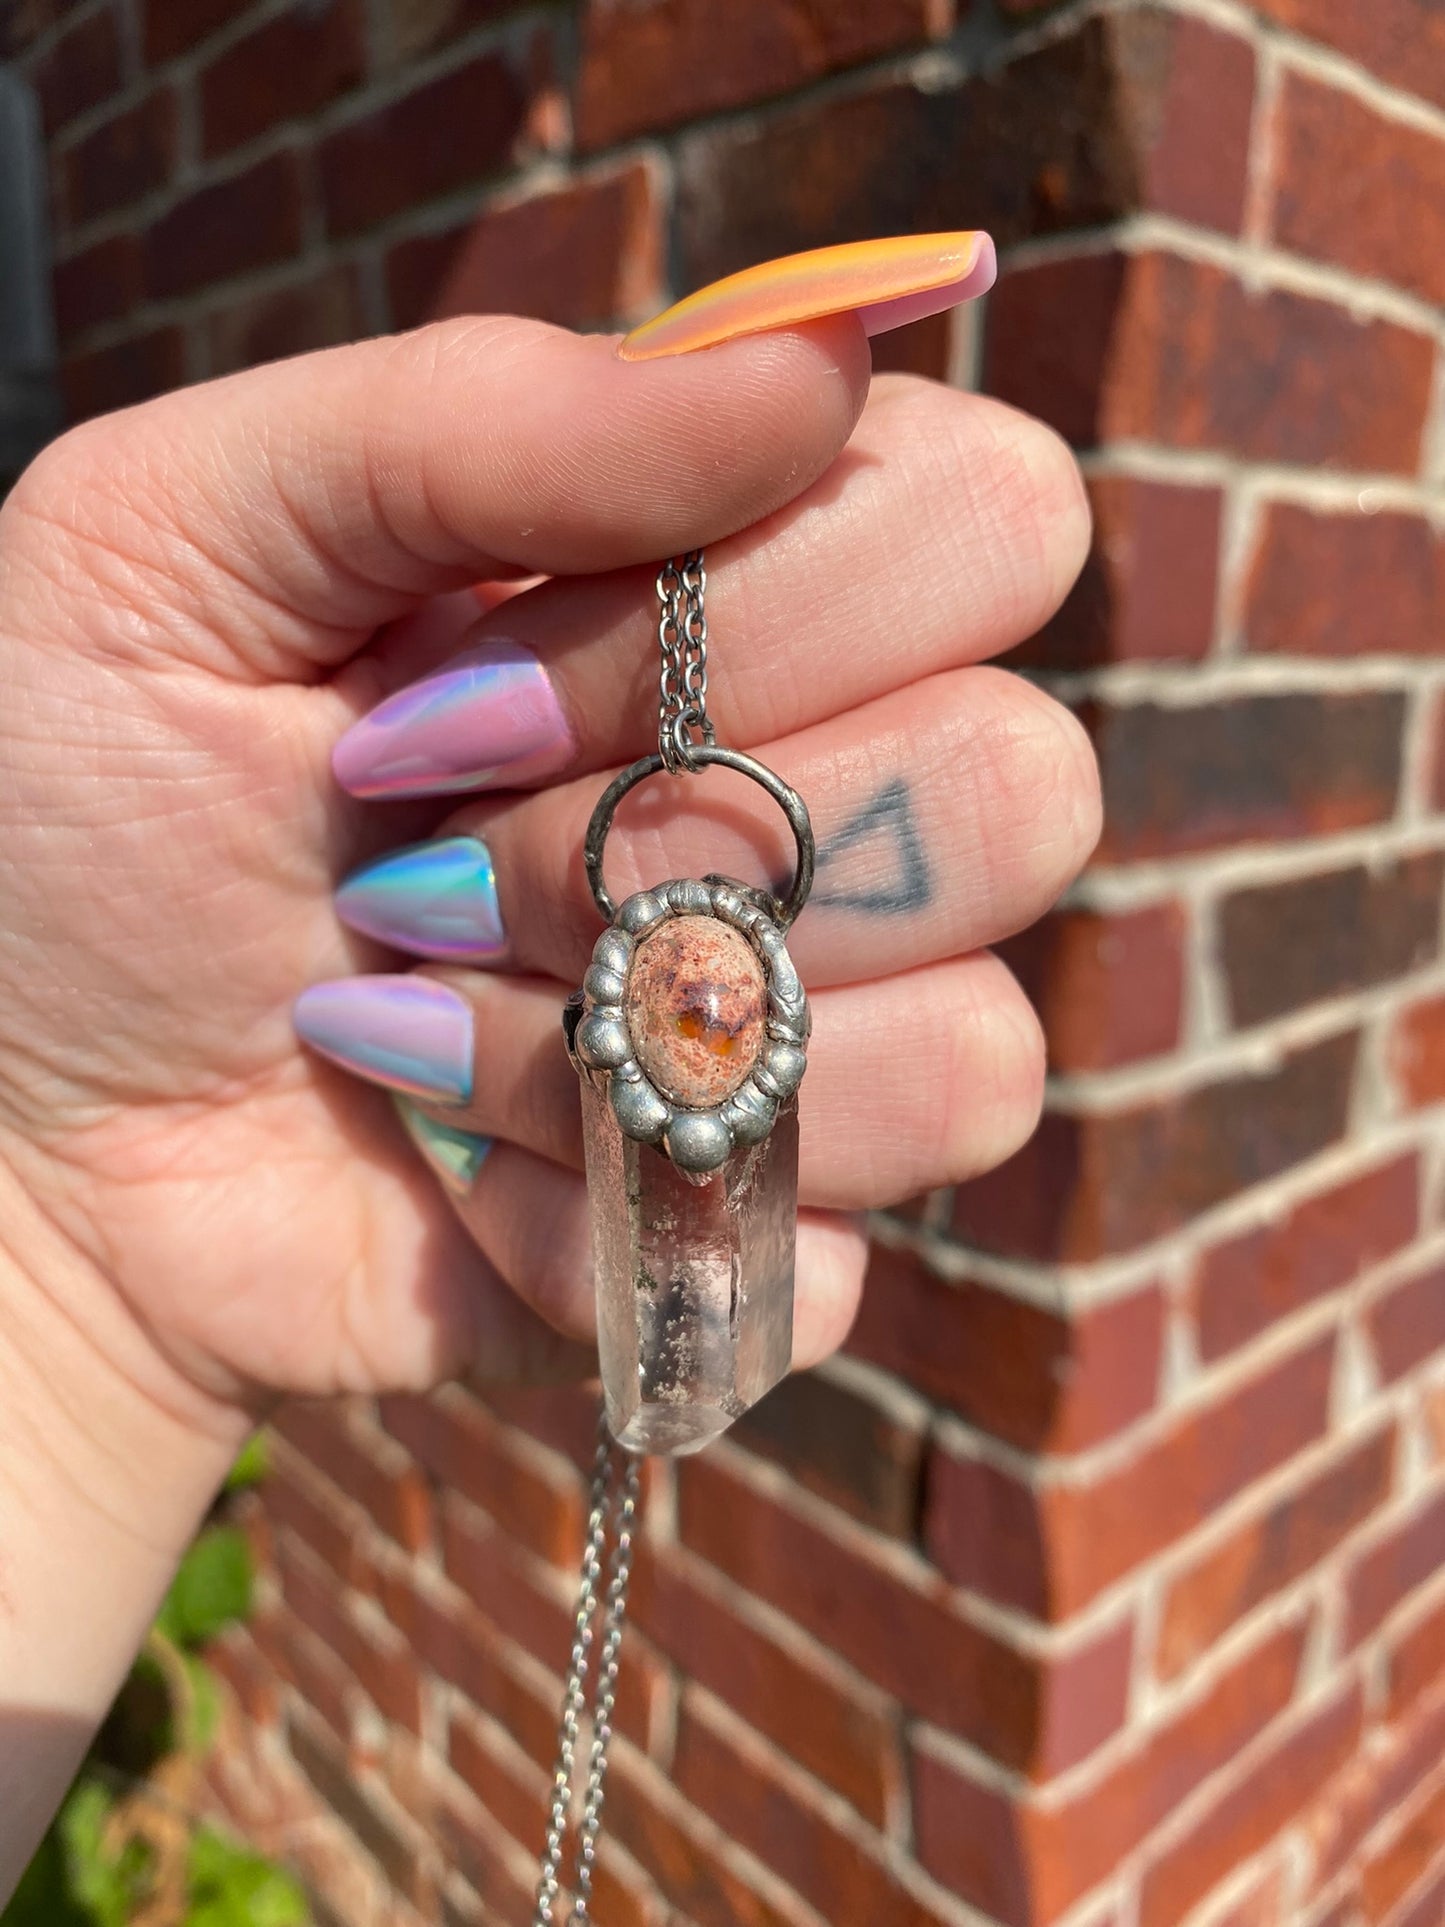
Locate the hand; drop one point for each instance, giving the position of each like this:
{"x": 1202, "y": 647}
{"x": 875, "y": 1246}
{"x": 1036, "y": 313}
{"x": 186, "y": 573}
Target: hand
{"x": 198, "y": 599}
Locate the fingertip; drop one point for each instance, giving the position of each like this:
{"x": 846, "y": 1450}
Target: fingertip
{"x": 832, "y": 1258}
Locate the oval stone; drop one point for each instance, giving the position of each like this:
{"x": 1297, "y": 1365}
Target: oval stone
{"x": 696, "y": 1007}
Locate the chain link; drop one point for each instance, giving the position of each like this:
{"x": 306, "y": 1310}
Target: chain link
{"x": 682, "y": 718}
{"x": 611, "y": 1517}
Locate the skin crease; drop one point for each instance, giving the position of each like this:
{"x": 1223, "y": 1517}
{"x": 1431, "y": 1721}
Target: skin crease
{"x": 197, "y": 598}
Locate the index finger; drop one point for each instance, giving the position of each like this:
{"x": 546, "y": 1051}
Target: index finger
{"x": 265, "y": 524}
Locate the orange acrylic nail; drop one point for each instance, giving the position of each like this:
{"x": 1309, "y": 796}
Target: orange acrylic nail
{"x": 885, "y": 283}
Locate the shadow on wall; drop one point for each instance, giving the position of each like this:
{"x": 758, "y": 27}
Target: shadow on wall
{"x": 29, "y": 406}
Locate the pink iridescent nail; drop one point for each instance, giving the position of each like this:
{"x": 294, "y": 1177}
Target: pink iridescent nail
{"x": 489, "y": 719}
{"x": 409, "y": 1034}
{"x": 885, "y": 283}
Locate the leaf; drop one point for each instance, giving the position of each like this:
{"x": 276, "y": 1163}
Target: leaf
{"x": 233, "y": 1888}
{"x": 252, "y": 1464}
{"x": 204, "y": 1712}
{"x": 211, "y": 1590}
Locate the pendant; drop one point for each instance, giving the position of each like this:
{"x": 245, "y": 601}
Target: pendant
{"x": 690, "y": 1035}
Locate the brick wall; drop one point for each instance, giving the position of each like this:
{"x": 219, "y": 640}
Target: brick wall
{"x": 1096, "y": 1583}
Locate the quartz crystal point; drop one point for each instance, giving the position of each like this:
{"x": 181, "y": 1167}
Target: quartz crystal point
{"x": 694, "y": 1280}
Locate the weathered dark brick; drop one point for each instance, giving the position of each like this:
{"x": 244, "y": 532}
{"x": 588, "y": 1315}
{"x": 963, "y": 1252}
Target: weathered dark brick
{"x": 127, "y": 371}
{"x": 1109, "y": 989}
{"x": 646, "y": 67}
{"x": 318, "y": 312}
{"x": 848, "y": 1448}
{"x": 292, "y": 66}
{"x": 1287, "y": 945}
{"x": 1359, "y": 189}
{"x": 1150, "y": 346}
{"x": 246, "y": 221}
{"x": 1195, "y": 776}
{"x": 1098, "y": 123}
{"x": 587, "y": 253}
{"x": 449, "y": 132}
{"x": 1403, "y": 41}
{"x": 80, "y": 70}
{"x": 127, "y": 157}
{"x": 101, "y": 283}
{"x": 1148, "y": 589}
{"x": 1088, "y": 1184}
{"x": 1345, "y": 584}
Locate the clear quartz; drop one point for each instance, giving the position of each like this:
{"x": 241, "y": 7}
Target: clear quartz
{"x": 694, "y": 1281}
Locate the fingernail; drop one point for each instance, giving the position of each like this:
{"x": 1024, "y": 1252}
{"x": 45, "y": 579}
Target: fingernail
{"x": 489, "y": 719}
{"x": 407, "y": 1033}
{"x": 456, "y": 1156}
{"x": 434, "y": 899}
{"x": 885, "y": 283}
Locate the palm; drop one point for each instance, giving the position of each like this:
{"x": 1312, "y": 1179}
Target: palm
{"x": 171, "y": 875}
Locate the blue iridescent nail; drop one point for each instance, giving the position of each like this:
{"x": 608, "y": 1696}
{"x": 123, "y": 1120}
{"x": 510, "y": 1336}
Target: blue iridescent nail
{"x": 432, "y": 899}
{"x": 456, "y": 1156}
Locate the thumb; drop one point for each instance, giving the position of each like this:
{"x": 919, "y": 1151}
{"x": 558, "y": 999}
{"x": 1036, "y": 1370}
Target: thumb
{"x": 266, "y": 523}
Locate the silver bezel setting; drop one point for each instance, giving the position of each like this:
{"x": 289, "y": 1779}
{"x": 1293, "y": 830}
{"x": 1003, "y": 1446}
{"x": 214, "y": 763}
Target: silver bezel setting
{"x": 699, "y": 1142}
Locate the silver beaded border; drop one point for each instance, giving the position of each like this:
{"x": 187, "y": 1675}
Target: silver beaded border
{"x": 698, "y": 1142}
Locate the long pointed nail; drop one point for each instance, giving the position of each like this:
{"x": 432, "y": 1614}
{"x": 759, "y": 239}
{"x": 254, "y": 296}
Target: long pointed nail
{"x": 885, "y": 283}
{"x": 434, "y": 899}
{"x": 456, "y": 1156}
{"x": 489, "y": 719}
{"x": 408, "y": 1033}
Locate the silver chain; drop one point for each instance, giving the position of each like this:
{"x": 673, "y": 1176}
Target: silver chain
{"x": 682, "y": 718}
{"x": 612, "y": 1516}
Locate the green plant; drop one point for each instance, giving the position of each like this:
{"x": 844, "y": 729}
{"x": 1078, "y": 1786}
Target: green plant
{"x": 125, "y": 1850}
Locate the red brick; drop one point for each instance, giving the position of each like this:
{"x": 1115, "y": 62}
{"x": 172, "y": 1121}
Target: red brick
{"x": 694, "y": 1867}
{"x": 1253, "y": 1807}
{"x": 1149, "y": 346}
{"x": 1287, "y": 945}
{"x": 1405, "y": 1557}
{"x": 1345, "y": 584}
{"x": 1317, "y": 1246}
{"x": 514, "y": 1792}
{"x": 1147, "y": 591}
{"x": 1400, "y": 1864}
{"x": 1254, "y": 768}
{"x": 1044, "y": 1380}
{"x": 1025, "y": 1864}
{"x": 373, "y": 1654}
{"x": 654, "y": 65}
{"x": 298, "y": 1499}
{"x": 118, "y": 163}
{"x": 488, "y": 1860}
{"x": 464, "y": 1449}
{"x": 127, "y": 371}
{"x": 1108, "y": 987}
{"x": 1387, "y": 1770}
{"x": 793, "y": 1693}
{"x": 741, "y": 1785}
{"x": 847, "y": 1447}
{"x": 448, "y": 133}
{"x": 365, "y": 1464}
{"x": 416, "y": 26}
{"x": 366, "y": 1812}
{"x": 291, "y": 67}
{"x": 80, "y": 70}
{"x": 319, "y": 312}
{"x": 585, "y": 254}
{"x": 1402, "y": 41}
{"x": 217, "y": 232}
{"x": 1358, "y": 189}
{"x": 1417, "y": 1052}
{"x": 1051, "y": 1548}
{"x": 563, "y": 1417}
{"x": 1099, "y": 122}
{"x": 1092, "y": 1183}
{"x": 174, "y": 26}
{"x": 1406, "y": 1324}
{"x": 880, "y": 1612}
{"x": 923, "y": 347}
{"x": 1270, "y": 1550}
{"x": 1416, "y": 1660}
{"x": 303, "y": 1660}
{"x": 99, "y": 284}
{"x": 1426, "y": 1907}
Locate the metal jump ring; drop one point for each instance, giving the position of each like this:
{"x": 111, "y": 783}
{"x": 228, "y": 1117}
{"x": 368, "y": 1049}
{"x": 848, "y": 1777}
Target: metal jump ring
{"x": 704, "y": 755}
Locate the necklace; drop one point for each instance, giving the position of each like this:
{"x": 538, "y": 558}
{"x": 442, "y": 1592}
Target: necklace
{"x": 690, "y": 1036}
